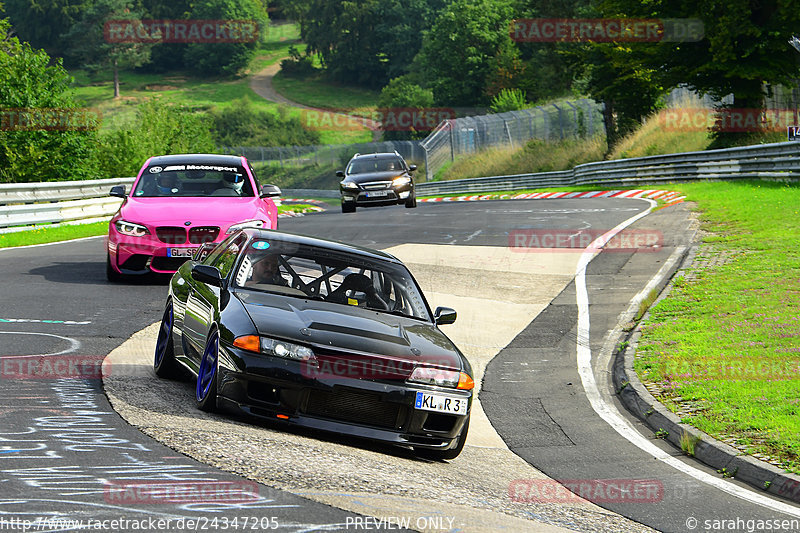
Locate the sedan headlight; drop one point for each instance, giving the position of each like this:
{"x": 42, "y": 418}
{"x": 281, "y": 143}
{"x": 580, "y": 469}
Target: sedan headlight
{"x": 441, "y": 378}
{"x": 401, "y": 181}
{"x": 248, "y": 224}
{"x": 130, "y": 229}
{"x": 268, "y": 346}
{"x": 349, "y": 185}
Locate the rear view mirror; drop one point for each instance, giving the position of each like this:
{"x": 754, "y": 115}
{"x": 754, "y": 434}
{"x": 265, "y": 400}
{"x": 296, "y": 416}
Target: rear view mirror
{"x": 412, "y": 168}
{"x": 340, "y": 173}
{"x": 444, "y": 315}
{"x": 270, "y": 191}
{"x": 118, "y": 191}
{"x": 207, "y": 274}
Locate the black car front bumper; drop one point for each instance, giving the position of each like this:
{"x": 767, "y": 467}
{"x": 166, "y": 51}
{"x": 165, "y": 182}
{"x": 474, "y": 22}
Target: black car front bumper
{"x": 278, "y": 389}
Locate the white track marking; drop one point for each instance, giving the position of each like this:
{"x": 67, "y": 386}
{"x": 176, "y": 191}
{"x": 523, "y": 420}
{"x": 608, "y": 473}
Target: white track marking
{"x": 51, "y": 243}
{"x": 609, "y": 412}
{"x": 73, "y": 344}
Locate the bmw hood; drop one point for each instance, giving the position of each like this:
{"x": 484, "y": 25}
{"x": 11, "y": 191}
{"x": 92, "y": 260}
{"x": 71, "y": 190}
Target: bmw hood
{"x": 344, "y": 328}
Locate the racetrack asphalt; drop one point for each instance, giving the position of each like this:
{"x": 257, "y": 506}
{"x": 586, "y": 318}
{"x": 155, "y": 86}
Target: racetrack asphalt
{"x": 531, "y": 393}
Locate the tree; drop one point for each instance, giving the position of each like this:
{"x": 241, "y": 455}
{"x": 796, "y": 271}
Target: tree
{"x": 224, "y": 59}
{"x": 364, "y": 42}
{"x": 89, "y": 43}
{"x": 402, "y": 96}
{"x": 42, "y": 23}
{"x": 458, "y": 53}
{"x": 44, "y": 135}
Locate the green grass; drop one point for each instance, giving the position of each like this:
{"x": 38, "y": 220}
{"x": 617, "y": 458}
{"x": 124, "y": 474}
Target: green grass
{"x": 316, "y": 91}
{"x": 46, "y": 234}
{"x": 726, "y": 340}
{"x": 200, "y": 93}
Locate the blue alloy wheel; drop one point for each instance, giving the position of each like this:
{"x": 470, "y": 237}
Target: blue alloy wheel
{"x": 208, "y": 368}
{"x": 164, "y": 336}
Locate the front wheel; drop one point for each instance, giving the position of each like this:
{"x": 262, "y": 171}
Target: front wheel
{"x": 112, "y": 275}
{"x": 452, "y": 453}
{"x": 164, "y": 362}
{"x": 412, "y": 201}
{"x": 348, "y": 207}
{"x": 206, "y": 390}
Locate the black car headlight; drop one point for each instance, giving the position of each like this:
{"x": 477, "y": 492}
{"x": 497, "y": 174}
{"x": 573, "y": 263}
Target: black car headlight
{"x": 349, "y": 185}
{"x": 277, "y": 348}
{"x": 131, "y": 229}
{"x": 453, "y": 379}
{"x": 402, "y": 181}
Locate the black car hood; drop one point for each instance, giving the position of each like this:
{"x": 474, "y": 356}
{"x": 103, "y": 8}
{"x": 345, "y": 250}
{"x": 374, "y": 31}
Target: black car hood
{"x": 375, "y": 176}
{"x": 350, "y": 329}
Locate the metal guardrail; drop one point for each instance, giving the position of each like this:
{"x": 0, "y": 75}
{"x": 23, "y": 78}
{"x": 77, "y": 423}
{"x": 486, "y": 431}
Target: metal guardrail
{"x": 39, "y": 203}
{"x": 23, "y": 204}
{"x": 770, "y": 161}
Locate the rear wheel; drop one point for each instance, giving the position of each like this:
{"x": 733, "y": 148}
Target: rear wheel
{"x": 452, "y": 453}
{"x": 112, "y": 275}
{"x": 348, "y": 207}
{"x": 412, "y": 201}
{"x": 206, "y": 390}
{"x": 164, "y": 362}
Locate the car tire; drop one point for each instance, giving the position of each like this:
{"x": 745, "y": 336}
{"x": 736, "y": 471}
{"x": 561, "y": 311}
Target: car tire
{"x": 112, "y": 275}
{"x": 452, "y": 453}
{"x": 164, "y": 362}
{"x": 412, "y": 201}
{"x": 348, "y": 207}
{"x": 206, "y": 389}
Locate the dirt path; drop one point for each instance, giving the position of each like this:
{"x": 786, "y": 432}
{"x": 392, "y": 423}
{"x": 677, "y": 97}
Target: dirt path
{"x": 261, "y": 84}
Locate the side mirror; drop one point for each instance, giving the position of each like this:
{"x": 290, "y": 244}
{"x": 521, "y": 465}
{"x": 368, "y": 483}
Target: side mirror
{"x": 444, "y": 315}
{"x": 412, "y": 168}
{"x": 207, "y": 274}
{"x": 270, "y": 191}
{"x": 340, "y": 173}
{"x": 118, "y": 191}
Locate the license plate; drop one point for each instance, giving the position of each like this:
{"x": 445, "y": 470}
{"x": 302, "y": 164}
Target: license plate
{"x": 181, "y": 252}
{"x": 373, "y": 194}
{"x": 441, "y": 403}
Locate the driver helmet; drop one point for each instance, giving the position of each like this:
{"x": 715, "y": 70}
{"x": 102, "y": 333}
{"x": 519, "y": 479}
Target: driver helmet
{"x": 233, "y": 181}
{"x": 167, "y": 183}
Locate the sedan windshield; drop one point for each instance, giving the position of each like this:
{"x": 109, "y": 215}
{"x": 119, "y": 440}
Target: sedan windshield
{"x": 323, "y": 274}
{"x": 193, "y": 180}
{"x": 363, "y": 166}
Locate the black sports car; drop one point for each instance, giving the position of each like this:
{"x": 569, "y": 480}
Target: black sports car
{"x": 377, "y": 179}
{"x": 319, "y": 334}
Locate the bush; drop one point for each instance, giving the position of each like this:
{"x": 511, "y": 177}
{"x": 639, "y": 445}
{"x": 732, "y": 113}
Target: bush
{"x": 298, "y": 65}
{"x": 243, "y": 125}
{"x": 158, "y": 129}
{"x": 402, "y": 94}
{"x": 508, "y": 100}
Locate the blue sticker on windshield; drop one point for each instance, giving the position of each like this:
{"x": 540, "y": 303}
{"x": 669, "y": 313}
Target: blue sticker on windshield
{"x": 261, "y": 245}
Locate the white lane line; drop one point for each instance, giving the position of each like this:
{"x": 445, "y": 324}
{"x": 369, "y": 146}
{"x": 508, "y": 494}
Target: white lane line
{"x": 73, "y": 344}
{"x": 37, "y": 321}
{"x": 609, "y": 412}
{"x": 51, "y": 243}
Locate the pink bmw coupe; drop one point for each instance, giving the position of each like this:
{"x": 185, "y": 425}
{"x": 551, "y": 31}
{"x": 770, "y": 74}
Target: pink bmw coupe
{"x": 180, "y": 202}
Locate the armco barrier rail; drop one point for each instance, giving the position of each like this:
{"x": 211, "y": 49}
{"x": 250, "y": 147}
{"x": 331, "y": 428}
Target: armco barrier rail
{"x": 23, "y": 204}
{"x": 766, "y": 161}
{"x": 38, "y": 203}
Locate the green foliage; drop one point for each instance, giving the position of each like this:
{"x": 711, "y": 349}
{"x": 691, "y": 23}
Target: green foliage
{"x": 508, "y": 100}
{"x": 401, "y": 94}
{"x": 297, "y": 64}
{"x": 223, "y": 59}
{"x": 468, "y": 39}
{"x": 365, "y": 42}
{"x": 43, "y": 22}
{"x": 158, "y": 129}
{"x": 242, "y": 124}
{"x": 28, "y": 82}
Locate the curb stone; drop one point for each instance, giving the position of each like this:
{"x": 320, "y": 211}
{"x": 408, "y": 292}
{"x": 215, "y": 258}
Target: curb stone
{"x": 710, "y": 451}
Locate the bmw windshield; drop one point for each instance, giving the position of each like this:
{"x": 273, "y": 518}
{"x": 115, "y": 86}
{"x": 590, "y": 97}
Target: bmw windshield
{"x": 194, "y": 181}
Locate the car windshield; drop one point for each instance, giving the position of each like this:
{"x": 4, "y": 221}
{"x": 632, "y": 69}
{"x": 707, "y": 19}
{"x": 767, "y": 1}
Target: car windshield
{"x": 193, "y": 180}
{"x": 322, "y": 274}
{"x": 362, "y": 166}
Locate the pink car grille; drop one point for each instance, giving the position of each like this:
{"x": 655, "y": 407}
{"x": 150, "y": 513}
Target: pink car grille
{"x": 203, "y": 234}
{"x": 171, "y": 234}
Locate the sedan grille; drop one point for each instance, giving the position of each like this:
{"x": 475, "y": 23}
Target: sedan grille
{"x": 356, "y": 407}
{"x": 203, "y": 234}
{"x": 376, "y": 185}
{"x": 171, "y": 234}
